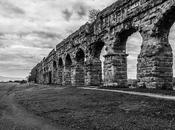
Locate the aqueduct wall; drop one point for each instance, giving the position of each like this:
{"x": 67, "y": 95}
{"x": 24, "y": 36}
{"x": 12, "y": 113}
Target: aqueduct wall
{"x": 76, "y": 60}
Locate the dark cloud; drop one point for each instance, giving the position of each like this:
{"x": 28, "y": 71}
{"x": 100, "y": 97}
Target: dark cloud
{"x": 81, "y": 9}
{"x": 67, "y": 14}
{"x": 11, "y": 9}
{"x": 2, "y": 44}
{"x": 47, "y": 34}
{"x": 36, "y": 39}
{"x": 44, "y": 39}
{"x": 78, "y": 8}
{"x": 41, "y": 34}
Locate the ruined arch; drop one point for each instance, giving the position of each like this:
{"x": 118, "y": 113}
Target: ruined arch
{"x": 120, "y": 46}
{"x": 67, "y": 70}
{"x": 80, "y": 56}
{"x": 97, "y": 48}
{"x": 60, "y": 71}
{"x": 60, "y": 62}
{"x": 79, "y": 69}
{"x": 94, "y": 72}
{"x": 54, "y": 64}
{"x": 68, "y": 60}
{"x": 54, "y": 72}
{"x": 133, "y": 49}
{"x": 165, "y": 22}
{"x": 156, "y": 59}
{"x": 121, "y": 58}
{"x": 165, "y": 26}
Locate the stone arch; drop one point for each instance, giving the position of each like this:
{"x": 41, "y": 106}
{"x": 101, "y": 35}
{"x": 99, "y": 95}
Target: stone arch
{"x": 165, "y": 22}
{"x": 60, "y": 71}
{"x": 54, "y": 64}
{"x": 54, "y": 72}
{"x": 164, "y": 26}
{"x": 67, "y": 70}
{"x": 80, "y": 56}
{"x": 133, "y": 49}
{"x": 156, "y": 58}
{"x": 79, "y": 69}
{"x": 94, "y": 67}
{"x": 122, "y": 39}
{"x": 60, "y": 62}
{"x": 96, "y": 49}
{"x": 117, "y": 72}
{"x": 68, "y": 60}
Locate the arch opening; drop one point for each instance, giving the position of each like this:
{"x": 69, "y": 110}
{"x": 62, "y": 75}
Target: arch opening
{"x": 97, "y": 49}
{"x": 54, "y": 65}
{"x": 133, "y": 48}
{"x": 67, "y": 70}
{"x": 123, "y": 37}
{"x": 79, "y": 76}
{"x": 60, "y": 62}
{"x": 129, "y": 47}
{"x": 68, "y": 61}
{"x": 54, "y": 72}
{"x": 102, "y": 59}
{"x": 166, "y": 22}
{"x": 97, "y": 53}
{"x": 80, "y": 56}
{"x": 60, "y": 71}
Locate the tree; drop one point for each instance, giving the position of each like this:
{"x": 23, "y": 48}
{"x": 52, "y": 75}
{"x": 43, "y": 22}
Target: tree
{"x": 93, "y": 15}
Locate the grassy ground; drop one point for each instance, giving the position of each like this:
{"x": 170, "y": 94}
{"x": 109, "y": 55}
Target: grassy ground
{"x": 95, "y": 110}
{"x": 15, "y": 117}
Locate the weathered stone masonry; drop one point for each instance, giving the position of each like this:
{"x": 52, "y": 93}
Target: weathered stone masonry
{"x": 76, "y": 60}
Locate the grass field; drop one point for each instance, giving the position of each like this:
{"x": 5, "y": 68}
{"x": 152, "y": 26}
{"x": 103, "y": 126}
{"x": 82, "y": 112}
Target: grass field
{"x": 95, "y": 110}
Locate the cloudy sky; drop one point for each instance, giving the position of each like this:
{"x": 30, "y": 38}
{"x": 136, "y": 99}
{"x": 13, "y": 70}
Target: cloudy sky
{"x": 29, "y": 29}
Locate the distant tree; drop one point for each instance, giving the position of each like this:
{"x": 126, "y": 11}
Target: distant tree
{"x": 23, "y": 81}
{"x": 33, "y": 75}
{"x": 93, "y": 15}
{"x": 31, "y": 78}
{"x": 17, "y": 81}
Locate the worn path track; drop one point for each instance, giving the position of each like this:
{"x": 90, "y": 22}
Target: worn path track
{"x": 159, "y": 96}
{"x": 15, "y": 117}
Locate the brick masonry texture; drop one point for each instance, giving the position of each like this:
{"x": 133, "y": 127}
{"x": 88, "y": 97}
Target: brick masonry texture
{"x": 76, "y": 60}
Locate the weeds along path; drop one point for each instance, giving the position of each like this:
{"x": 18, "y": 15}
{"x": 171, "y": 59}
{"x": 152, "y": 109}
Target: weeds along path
{"x": 15, "y": 117}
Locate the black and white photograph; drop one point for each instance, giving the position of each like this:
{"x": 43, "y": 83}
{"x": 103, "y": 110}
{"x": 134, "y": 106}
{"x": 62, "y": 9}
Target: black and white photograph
{"x": 87, "y": 64}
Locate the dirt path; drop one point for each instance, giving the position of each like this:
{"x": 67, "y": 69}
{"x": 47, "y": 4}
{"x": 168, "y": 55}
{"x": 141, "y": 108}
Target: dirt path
{"x": 14, "y": 117}
{"x": 159, "y": 96}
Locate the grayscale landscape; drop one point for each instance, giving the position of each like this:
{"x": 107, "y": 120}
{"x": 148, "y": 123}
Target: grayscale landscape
{"x": 87, "y": 65}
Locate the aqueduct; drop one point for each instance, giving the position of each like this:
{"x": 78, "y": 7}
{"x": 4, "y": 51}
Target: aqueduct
{"x": 76, "y": 60}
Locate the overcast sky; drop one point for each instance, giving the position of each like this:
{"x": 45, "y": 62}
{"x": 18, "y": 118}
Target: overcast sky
{"x": 29, "y": 29}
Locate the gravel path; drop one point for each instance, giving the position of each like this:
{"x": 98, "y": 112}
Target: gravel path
{"x": 159, "y": 96}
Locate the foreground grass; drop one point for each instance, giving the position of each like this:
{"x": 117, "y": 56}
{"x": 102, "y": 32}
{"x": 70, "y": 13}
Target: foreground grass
{"x": 95, "y": 110}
